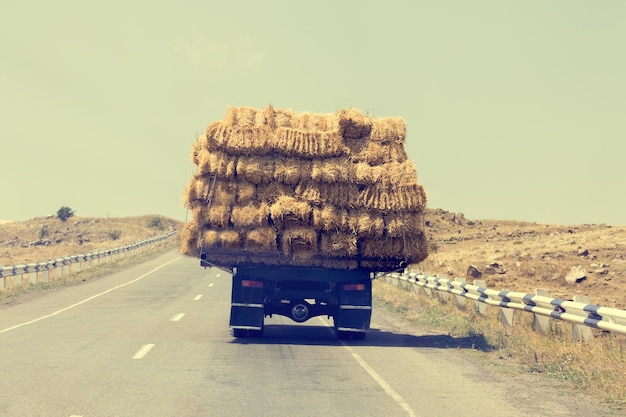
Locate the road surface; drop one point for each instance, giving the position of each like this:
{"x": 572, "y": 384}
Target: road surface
{"x": 153, "y": 340}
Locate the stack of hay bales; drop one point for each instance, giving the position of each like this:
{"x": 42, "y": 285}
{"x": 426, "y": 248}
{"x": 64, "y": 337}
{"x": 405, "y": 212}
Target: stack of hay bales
{"x": 279, "y": 188}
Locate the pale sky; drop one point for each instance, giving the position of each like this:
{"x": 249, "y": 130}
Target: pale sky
{"x": 515, "y": 110}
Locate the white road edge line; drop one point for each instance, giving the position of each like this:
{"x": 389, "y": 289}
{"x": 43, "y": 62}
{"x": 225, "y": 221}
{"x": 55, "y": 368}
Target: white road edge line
{"x": 177, "y": 317}
{"x": 383, "y": 384}
{"x": 143, "y": 351}
{"x": 17, "y": 326}
{"x": 197, "y": 297}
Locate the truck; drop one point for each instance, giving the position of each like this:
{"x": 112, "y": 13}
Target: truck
{"x": 303, "y": 210}
{"x": 300, "y": 294}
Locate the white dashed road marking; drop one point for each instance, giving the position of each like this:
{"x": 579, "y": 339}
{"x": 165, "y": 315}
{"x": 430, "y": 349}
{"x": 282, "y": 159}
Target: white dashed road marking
{"x": 177, "y": 317}
{"x": 143, "y": 351}
{"x": 199, "y": 296}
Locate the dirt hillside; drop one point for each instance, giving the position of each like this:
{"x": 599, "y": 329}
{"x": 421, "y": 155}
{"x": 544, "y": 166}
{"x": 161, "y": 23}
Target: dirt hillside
{"x": 524, "y": 256}
{"x": 46, "y": 238}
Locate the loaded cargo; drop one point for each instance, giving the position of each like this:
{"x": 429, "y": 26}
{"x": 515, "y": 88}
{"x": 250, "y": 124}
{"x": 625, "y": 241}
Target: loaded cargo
{"x": 303, "y": 209}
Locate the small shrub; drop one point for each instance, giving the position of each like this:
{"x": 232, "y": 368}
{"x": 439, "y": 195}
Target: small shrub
{"x": 155, "y": 223}
{"x": 115, "y": 234}
{"x": 65, "y": 213}
{"x": 43, "y": 232}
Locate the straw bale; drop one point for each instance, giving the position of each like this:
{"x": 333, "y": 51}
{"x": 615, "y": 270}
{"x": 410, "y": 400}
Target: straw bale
{"x": 339, "y": 194}
{"x": 332, "y": 170}
{"x": 210, "y": 238}
{"x": 262, "y": 239}
{"x": 246, "y": 192}
{"x": 240, "y": 116}
{"x": 288, "y": 211}
{"x": 299, "y": 241}
{"x": 338, "y": 244}
{"x": 271, "y": 192}
{"x": 389, "y": 197}
{"x": 411, "y": 249}
{"x": 388, "y": 129}
{"x": 291, "y": 170}
{"x": 366, "y": 224}
{"x": 252, "y": 140}
{"x": 265, "y": 117}
{"x": 353, "y": 124}
{"x": 282, "y": 118}
{"x": 224, "y": 192}
{"x": 230, "y": 239}
{"x": 216, "y": 163}
{"x": 404, "y": 223}
{"x": 313, "y": 121}
{"x": 189, "y": 239}
{"x": 330, "y": 218}
{"x": 306, "y": 143}
{"x": 310, "y": 191}
{"x": 255, "y": 169}
{"x": 218, "y": 216}
{"x": 394, "y": 173}
{"x": 250, "y": 216}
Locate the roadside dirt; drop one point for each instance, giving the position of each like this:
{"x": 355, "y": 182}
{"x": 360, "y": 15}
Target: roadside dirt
{"x": 524, "y": 256}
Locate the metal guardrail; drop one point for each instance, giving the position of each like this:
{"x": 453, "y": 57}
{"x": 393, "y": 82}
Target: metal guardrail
{"x": 577, "y": 313}
{"x": 47, "y": 266}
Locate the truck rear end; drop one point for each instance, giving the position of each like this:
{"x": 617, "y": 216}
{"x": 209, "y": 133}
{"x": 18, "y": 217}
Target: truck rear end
{"x": 301, "y": 294}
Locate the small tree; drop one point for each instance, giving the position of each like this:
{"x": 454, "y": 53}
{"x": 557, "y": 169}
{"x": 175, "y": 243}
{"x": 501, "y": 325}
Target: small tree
{"x": 64, "y": 213}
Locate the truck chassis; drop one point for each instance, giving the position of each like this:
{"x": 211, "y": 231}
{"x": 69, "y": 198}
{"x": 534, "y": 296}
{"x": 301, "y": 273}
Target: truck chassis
{"x": 300, "y": 294}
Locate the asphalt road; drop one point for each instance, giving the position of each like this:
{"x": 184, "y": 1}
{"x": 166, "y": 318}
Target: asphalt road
{"x": 153, "y": 340}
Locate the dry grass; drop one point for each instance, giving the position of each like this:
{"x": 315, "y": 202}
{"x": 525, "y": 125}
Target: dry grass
{"x": 597, "y": 368}
{"x": 46, "y": 238}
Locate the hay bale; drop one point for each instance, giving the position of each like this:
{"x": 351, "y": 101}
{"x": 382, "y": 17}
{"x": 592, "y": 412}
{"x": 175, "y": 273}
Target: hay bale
{"x": 218, "y": 216}
{"x": 388, "y": 129}
{"x": 330, "y": 218}
{"x": 320, "y": 194}
{"x": 366, "y": 224}
{"x": 282, "y": 118}
{"x": 332, "y": 170}
{"x": 255, "y": 169}
{"x": 210, "y": 239}
{"x": 230, "y": 239}
{"x": 240, "y": 116}
{"x": 320, "y": 190}
{"x": 291, "y": 170}
{"x": 299, "y": 242}
{"x": 262, "y": 239}
{"x": 216, "y": 163}
{"x": 338, "y": 244}
{"x": 353, "y": 124}
{"x": 254, "y": 140}
{"x": 189, "y": 239}
{"x": 289, "y": 211}
{"x": 273, "y": 191}
{"x": 306, "y": 143}
{"x": 404, "y": 223}
{"x": 246, "y": 192}
{"x": 250, "y": 216}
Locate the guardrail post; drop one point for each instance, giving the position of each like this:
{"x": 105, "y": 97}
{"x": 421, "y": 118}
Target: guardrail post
{"x": 480, "y": 308}
{"x": 506, "y": 315}
{"x": 579, "y": 331}
{"x": 428, "y": 291}
{"x": 459, "y": 299}
{"x": 444, "y": 297}
{"x": 541, "y": 324}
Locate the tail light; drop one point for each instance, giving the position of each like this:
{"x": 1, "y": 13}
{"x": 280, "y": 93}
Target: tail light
{"x": 251, "y": 284}
{"x": 354, "y": 287}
